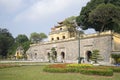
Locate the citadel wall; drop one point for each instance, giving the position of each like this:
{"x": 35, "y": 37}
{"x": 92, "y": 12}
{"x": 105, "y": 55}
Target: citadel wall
{"x": 101, "y": 41}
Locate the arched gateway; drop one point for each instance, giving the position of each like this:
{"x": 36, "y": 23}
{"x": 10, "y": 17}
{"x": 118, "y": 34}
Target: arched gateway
{"x": 88, "y": 55}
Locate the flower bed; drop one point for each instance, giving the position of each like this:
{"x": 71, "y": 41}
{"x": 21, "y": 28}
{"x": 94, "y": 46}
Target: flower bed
{"x": 79, "y": 65}
{"x": 82, "y": 68}
{"x": 7, "y": 66}
{"x": 58, "y": 66}
{"x": 97, "y": 71}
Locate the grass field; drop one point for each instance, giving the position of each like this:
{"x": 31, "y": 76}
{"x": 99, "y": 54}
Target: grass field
{"x": 36, "y": 73}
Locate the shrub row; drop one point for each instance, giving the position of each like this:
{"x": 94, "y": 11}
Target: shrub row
{"x": 114, "y": 68}
{"x": 80, "y": 65}
{"x": 55, "y": 70}
{"x": 103, "y": 71}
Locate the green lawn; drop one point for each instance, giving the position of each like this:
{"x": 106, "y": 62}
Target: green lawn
{"x": 36, "y": 73}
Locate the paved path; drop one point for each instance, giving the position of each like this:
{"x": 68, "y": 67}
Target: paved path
{"x": 36, "y": 62}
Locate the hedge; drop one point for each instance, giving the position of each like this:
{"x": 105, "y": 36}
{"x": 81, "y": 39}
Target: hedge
{"x": 88, "y": 71}
{"x": 101, "y": 72}
{"x": 83, "y": 69}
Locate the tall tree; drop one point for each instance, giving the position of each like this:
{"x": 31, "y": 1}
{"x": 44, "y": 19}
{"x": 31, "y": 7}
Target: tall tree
{"x": 6, "y": 41}
{"x": 36, "y": 37}
{"x": 83, "y": 18}
{"x": 70, "y": 23}
{"x": 104, "y": 17}
{"x": 22, "y": 40}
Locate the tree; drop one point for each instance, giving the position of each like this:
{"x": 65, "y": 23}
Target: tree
{"x": 70, "y": 23}
{"x": 95, "y": 56}
{"x": 21, "y": 38}
{"x": 104, "y": 17}
{"x": 43, "y": 36}
{"x": 116, "y": 57}
{"x": 20, "y": 41}
{"x": 6, "y": 41}
{"x": 36, "y": 37}
{"x": 83, "y": 18}
{"x": 53, "y": 54}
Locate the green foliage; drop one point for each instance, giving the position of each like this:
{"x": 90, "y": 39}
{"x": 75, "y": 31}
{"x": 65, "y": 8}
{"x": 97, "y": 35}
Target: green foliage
{"x": 82, "y": 68}
{"x": 101, "y": 15}
{"x": 96, "y": 56}
{"x": 80, "y": 65}
{"x": 12, "y": 49}
{"x": 70, "y": 24}
{"x": 36, "y": 37}
{"x": 37, "y": 73}
{"x": 26, "y": 45}
{"x": 53, "y": 54}
{"x": 6, "y": 41}
{"x": 104, "y": 17}
{"x": 116, "y": 57}
{"x": 21, "y": 38}
{"x": 97, "y": 71}
{"x": 83, "y": 18}
{"x": 54, "y": 70}
{"x": 115, "y": 69}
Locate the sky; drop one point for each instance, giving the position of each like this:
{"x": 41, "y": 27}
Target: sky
{"x": 28, "y": 16}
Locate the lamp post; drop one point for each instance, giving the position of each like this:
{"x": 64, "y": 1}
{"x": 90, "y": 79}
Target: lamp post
{"x": 79, "y": 61}
{"x": 78, "y": 30}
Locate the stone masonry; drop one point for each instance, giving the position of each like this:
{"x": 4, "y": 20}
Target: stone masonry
{"x": 105, "y": 42}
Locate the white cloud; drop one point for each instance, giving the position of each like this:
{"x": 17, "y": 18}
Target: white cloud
{"x": 45, "y": 8}
{"x": 19, "y": 15}
{"x": 11, "y": 5}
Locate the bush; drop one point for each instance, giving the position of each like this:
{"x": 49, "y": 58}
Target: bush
{"x": 115, "y": 69}
{"x": 95, "y": 71}
{"x": 60, "y": 68}
{"x": 82, "y": 68}
{"x": 54, "y": 70}
{"x": 80, "y": 65}
{"x": 116, "y": 57}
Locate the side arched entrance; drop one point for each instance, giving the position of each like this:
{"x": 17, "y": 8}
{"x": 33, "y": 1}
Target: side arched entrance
{"x": 62, "y": 56}
{"x": 88, "y": 55}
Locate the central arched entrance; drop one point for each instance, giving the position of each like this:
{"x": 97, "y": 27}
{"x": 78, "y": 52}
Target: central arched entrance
{"x": 88, "y": 55}
{"x": 62, "y": 56}
{"x": 35, "y": 55}
{"x": 48, "y": 55}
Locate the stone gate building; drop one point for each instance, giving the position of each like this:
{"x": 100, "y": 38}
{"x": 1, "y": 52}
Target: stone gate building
{"x": 66, "y": 45}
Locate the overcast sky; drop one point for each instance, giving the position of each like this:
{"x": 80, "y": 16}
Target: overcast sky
{"x": 28, "y": 16}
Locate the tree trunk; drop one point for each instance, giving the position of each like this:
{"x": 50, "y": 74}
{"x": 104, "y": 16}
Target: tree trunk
{"x": 102, "y": 28}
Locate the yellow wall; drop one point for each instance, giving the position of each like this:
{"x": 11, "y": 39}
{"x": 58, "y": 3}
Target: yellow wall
{"x": 116, "y": 39}
{"x": 58, "y": 32}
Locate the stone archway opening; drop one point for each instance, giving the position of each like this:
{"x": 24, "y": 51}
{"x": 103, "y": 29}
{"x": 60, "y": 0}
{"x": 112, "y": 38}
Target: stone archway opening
{"x": 55, "y": 54}
{"x": 88, "y": 55}
{"x": 62, "y": 56}
{"x": 48, "y": 55}
{"x": 35, "y": 55}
